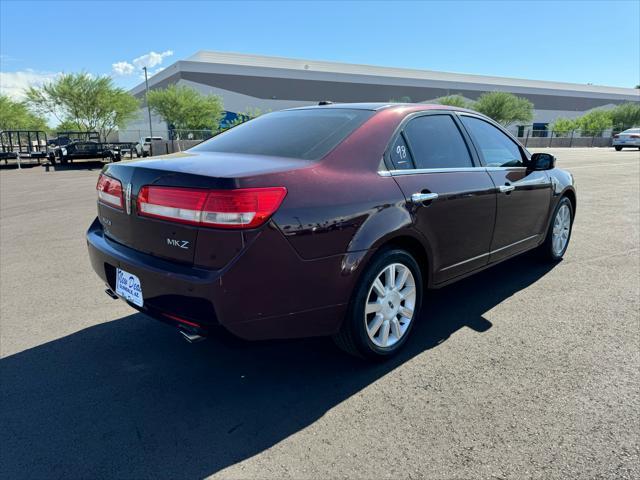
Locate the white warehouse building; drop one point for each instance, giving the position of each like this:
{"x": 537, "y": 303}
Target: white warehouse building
{"x": 247, "y": 82}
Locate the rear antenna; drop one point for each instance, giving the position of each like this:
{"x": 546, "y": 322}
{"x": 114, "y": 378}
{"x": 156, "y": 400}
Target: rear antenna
{"x": 325, "y": 102}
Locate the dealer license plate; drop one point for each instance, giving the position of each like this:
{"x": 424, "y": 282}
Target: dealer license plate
{"x": 128, "y": 287}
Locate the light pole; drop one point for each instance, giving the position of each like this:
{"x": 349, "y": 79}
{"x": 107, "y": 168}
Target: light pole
{"x": 146, "y": 97}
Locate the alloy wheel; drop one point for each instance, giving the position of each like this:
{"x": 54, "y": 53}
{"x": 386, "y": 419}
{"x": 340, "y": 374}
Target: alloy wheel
{"x": 390, "y": 305}
{"x": 561, "y": 229}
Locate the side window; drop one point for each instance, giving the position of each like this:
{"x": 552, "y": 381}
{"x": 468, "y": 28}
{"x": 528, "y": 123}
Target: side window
{"x": 496, "y": 148}
{"x": 436, "y": 142}
{"x": 400, "y": 155}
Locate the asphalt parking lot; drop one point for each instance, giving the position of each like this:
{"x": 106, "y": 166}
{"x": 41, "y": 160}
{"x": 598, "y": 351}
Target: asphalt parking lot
{"x": 524, "y": 371}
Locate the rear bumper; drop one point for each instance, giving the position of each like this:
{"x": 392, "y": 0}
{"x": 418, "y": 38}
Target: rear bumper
{"x": 628, "y": 143}
{"x": 266, "y": 292}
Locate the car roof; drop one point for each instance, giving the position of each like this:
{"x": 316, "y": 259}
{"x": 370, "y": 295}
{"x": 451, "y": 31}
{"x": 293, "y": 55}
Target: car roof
{"x": 375, "y": 106}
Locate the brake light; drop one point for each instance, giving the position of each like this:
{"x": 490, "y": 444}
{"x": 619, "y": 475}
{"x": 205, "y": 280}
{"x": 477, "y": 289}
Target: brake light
{"x": 109, "y": 191}
{"x": 616, "y": 136}
{"x": 240, "y": 208}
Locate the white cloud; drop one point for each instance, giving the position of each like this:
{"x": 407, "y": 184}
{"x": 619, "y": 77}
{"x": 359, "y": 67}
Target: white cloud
{"x": 122, "y": 68}
{"x": 148, "y": 60}
{"x": 13, "y": 84}
{"x": 151, "y": 59}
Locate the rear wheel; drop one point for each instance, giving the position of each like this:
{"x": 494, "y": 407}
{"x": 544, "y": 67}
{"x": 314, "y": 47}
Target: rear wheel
{"x": 618, "y": 148}
{"x": 557, "y": 241}
{"x": 384, "y": 307}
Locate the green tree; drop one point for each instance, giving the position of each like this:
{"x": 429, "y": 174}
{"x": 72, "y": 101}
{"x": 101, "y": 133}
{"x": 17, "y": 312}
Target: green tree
{"x": 595, "y": 122}
{"x": 505, "y": 108}
{"x": 626, "y": 115}
{"x": 16, "y": 115}
{"x": 563, "y": 126}
{"x": 452, "y": 101}
{"x": 186, "y": 108}
{"x": 68, "y": 126}
{"x": 93, "y": 103}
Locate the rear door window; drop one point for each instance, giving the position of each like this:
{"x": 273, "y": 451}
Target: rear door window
{"x": 400, "y": 155}
{"x": 436, "y": 142}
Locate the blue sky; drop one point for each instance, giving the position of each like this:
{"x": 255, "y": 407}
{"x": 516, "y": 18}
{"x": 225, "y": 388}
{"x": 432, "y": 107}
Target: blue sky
{"x": 584, "y": 42}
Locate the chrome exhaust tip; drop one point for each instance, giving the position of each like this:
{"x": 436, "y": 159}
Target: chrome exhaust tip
{"x": 111, "y": 293}
{"x": 192, "y": 337}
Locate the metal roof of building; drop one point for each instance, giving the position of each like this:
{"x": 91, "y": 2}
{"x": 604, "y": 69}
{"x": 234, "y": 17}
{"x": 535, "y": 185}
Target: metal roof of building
{"x": 408, "y": 73}
{"x": 239, "y": 64}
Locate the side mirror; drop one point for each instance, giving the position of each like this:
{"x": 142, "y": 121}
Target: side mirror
{"x": 542, "y": 161}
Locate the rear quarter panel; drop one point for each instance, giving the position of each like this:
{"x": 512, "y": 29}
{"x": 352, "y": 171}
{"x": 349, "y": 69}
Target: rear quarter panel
{"x": 341, "y": 204}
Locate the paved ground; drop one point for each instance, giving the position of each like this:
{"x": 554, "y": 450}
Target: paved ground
{"x": 524, "y": 371}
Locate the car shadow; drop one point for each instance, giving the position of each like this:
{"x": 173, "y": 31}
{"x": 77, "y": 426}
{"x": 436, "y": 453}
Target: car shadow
{"x": 130, "y": 399}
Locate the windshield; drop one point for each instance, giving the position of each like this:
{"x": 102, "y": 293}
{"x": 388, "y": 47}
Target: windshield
{"x": 305, "y": 134}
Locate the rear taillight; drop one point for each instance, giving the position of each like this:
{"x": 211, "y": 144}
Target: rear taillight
{"x": 109, "y": 191}
{"x": 241, "y": 208}
{"x": 616, "y": 136}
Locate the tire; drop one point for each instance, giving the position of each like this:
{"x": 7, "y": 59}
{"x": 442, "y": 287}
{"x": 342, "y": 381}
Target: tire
{"x": 555, "y": 251}
{"x": 618, "y": 148}
{"x": 390, "y": 313}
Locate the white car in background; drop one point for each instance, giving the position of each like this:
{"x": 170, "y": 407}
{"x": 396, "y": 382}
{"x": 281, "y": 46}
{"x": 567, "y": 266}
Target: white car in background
{"x": 143, "y": 147}
{"x": 628, "y": 138}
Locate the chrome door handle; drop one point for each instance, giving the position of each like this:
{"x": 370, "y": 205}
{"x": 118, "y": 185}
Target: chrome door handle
{"x": 423, "y": 197}
{"x": 506, "y": 188}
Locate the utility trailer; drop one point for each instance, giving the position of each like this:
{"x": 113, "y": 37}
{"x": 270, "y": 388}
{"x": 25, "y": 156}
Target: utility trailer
{"x": 75, "y": 145}
{"x": 23, "y": 144}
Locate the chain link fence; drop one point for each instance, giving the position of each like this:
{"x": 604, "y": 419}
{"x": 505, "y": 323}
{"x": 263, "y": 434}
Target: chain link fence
{"x": 537, "y": 138}
{"x": 171, "y": 141}
{"x": 164, "y": 141}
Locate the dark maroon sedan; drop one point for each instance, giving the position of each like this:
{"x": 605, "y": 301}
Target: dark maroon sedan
{"x": 327, "y": 220}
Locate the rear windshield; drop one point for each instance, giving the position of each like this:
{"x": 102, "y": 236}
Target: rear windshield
{"x": 305, "y": 134}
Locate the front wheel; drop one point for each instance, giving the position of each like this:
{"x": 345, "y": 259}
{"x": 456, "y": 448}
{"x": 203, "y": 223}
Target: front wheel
{"x": 384, "y": 307}
{"x": 618, "y": 148}
{"x": 557, "y": 241}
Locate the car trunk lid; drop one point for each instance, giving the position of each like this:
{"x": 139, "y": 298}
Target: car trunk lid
{"x": 175, "y": 240}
